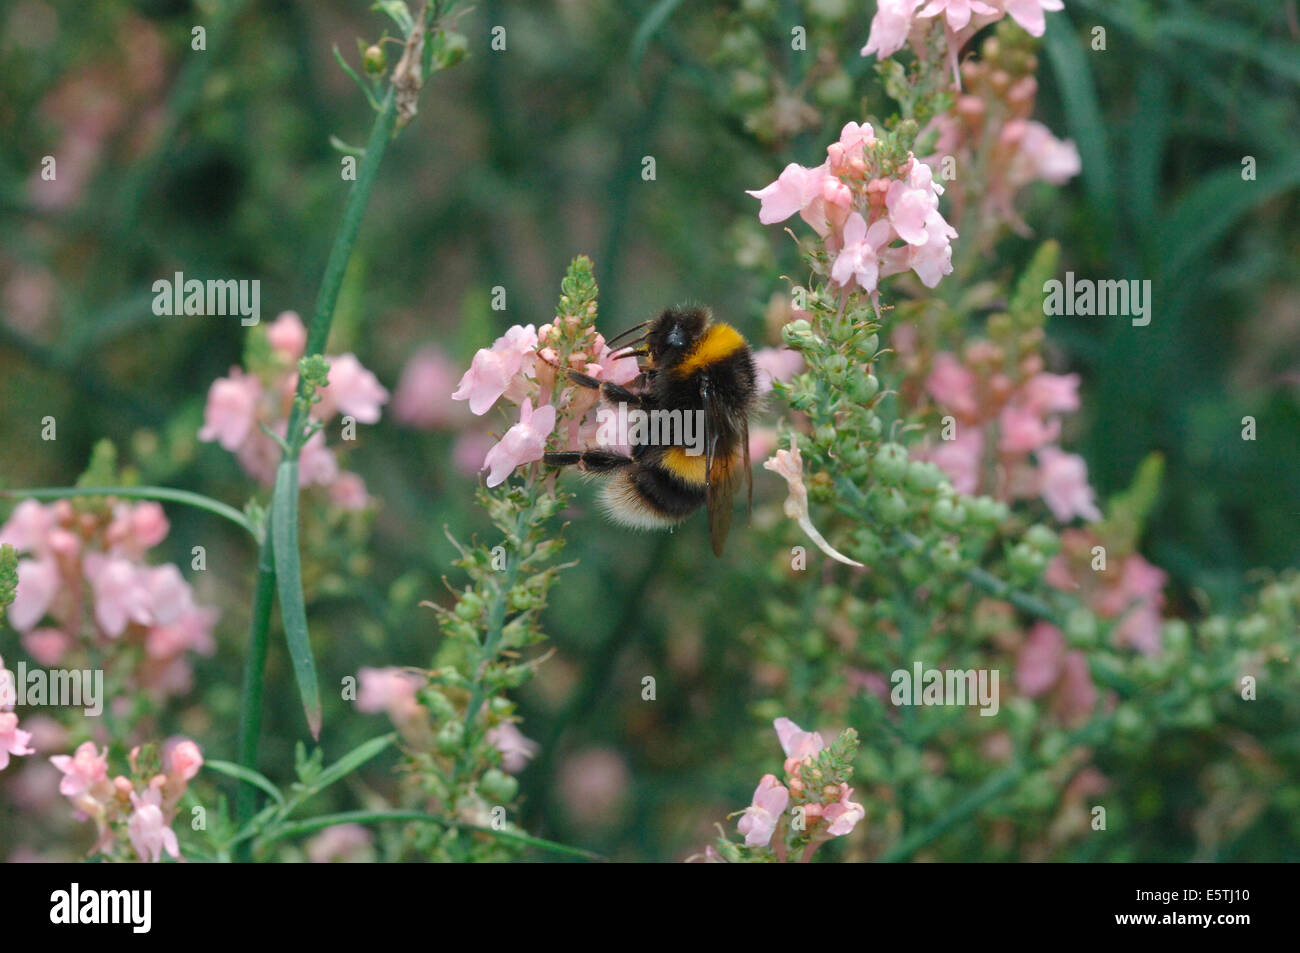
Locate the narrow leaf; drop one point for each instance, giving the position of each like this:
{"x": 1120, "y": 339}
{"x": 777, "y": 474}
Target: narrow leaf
{"x": 288, "y": 576}
{"x": 354, "y": 759}
{"x": 247, "y": 775}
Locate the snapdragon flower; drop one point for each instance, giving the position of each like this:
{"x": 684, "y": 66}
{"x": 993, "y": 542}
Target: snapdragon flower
{"x": 240, "y": 406}
{"x": 94, "y": 559}
{"x": 862, "y": 208}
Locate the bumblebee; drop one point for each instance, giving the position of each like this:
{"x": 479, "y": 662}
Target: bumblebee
{"x": 701, "y": 367}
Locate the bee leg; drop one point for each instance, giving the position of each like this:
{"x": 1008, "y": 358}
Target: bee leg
{"x": 590, "y": 461}
{"x": 613, "y": 393}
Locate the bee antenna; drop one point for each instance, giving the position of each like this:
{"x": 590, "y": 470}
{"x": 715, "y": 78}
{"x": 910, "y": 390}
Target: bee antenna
{"x": 625, "y": 332}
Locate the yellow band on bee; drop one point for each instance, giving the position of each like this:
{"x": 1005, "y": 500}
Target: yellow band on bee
{"x": 687, "y": 468}
{"x": 718, "y": 342}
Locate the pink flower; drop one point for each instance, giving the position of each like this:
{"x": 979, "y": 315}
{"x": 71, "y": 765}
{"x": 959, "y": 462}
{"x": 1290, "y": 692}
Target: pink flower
{"x": 147, "y": 827}
{"x": 231, "y": 412}
{"x": 1041, "y": 658}
{"x": 1051, "y": 393}
{"x": 38, "y": 584}
{"x": 525, "y": 442}
{"x": 47, "y": 645}
{"x": 287, "y": 336}
{"x": 349, "y": 492}
{"x": 317, "y": 464}
{"x": 423, "y": 393}
{"x": 1138, "y": 600}
{"x": 121, "y": 592}
{"x": 890, "y": 27}
{"x": 844, "y": 814}
{"x": 854, "y": 138}
{"x": 958, "y": 12}
{"x": 776, "y": 364}
{"x": 961, "y": 459}
{"x": 13, "y": 740}
{"x": 170, "y": 595}
{"x": 516, "y": 750}
{"x": 762, "y": 815}
{"x": 794, "y": 190}
{"x": 932, "y": 260}
{"x": 352, "y": 390}
{"x": 391, "y": 690}
{"x": 1063, "y": 485}
{"x": 81, "y": 771}
{"x": 795, "y": 742}
{"x": 859, "y": 259}
{"x": 1029, "y": 13}
{"x": 952, "y": 384}
{"x": 620, "y": 371}
{"x": 137, "y": 528}
{"x": 492, "y": 371}
{"x": 1024, "y": 430}
{"x": 1039, "y": 155}
{"x": 186, "y": 760}
{"x": 191, "y": 631}
{"x": 28, "y": 527}
{"x": 912, "y": 204}
{"x": 1076, "y": 695}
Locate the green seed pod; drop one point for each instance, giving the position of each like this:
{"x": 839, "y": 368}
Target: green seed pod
{"x": 891, "y": 463}
{"x": 496, "y": 785}
{"x": 450, "y": 737}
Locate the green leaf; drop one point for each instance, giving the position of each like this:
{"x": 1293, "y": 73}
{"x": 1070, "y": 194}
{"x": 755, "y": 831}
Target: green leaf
{"x": 247, "y": 775}
{"x": 1084, "y": 115}
{"x": 650, "y": 25}
{"x": 288, "y": 577}
{"x": 1209, "y": 210}
{"x": 365, "y": 88}
{"x": 341, "y": 146}
{"x": 400, "y": 14}
{"x": 161, "y": 493}
{"x": 345, "y": 765}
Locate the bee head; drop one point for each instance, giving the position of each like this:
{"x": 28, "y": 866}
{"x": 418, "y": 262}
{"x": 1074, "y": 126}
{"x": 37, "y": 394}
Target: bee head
{"x": 674, "y": 333}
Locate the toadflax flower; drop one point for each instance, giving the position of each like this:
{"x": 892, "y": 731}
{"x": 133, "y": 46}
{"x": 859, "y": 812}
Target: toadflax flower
{"x": 789, "y": 465}
{"x": 494, "y": 369}
{"x": 525, "y": 442}
{"x": 759, "y": 822}
{"x": 148, "y": 829}
{"x": 13, "y": 740}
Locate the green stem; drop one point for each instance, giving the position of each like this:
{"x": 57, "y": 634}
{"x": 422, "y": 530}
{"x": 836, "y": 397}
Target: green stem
{"x": 250, "y": 713}
{"x": 312, "y": 824}
{"x": 165, "y": 494}
{"x": 492, "y": 640}
{"x": 994, "y": 786}
{"x": 318, "y": 334}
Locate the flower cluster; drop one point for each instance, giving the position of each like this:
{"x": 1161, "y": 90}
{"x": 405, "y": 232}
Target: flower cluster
{"x": 526, "y": 367}
{"x": 14, "y": 742}
{"x": 898, "y": 22}
{"x": 1001, "y": 439}
{"x": 864, "y": 199}
{"x": 139, "y": 809}
{"x": 86, "y": 561}
{"x": 246, "y": 408}
{"x": 813, "y": 806}
{"x": 988, "y": 145}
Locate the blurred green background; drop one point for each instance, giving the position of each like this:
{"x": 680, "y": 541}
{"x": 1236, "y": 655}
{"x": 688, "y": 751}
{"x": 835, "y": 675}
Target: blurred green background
{"x": 218, "y": 163}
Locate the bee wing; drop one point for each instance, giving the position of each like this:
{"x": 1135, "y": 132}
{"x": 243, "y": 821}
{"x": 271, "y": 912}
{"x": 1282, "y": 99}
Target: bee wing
{"x": 719, "y": 480}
